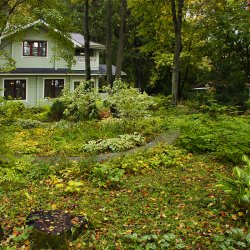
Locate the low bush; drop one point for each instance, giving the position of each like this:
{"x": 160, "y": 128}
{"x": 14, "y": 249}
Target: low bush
{"x": 11, "y": 109}
{"x": 160, "y": 156}
{"x": 57, "y": 109}
{"x": 28, "y": 123}
{"x": 123, "y": 142}
{"x": 107, "y": 176}
{"x": 238, "y": 187}
{"x": 82, "y": 104}
{"x": 232, "y": 239}
{"x": 227, "y": 138}
{"x": 128, "y": 103}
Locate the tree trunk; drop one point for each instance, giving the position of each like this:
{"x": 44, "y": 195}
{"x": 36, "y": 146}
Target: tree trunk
{"x": 121, "y": 39}
{"x": 108, "y": 42}
{"x": 87, "y": 41}
{"x": 177, "y": 21}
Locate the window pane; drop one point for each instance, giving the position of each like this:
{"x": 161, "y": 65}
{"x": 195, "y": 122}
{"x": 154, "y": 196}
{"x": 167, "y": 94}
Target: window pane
{"x": 35, "y": 48}
{"x": 15, "y": 89}
{"x": 76, "y": 84}
{"x": 34, "y": 51}
{"x": 53, "y": 87}
{"x": 26, "y": 51}
{"x": 26, "y": 48}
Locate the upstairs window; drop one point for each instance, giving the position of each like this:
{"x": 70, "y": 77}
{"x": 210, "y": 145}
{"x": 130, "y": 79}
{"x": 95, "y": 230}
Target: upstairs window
{"x": 35, "y": 48}
{"x": 81, "y": 52}
{"x": 53, "y": 88}
{"x": 15, "y": 89}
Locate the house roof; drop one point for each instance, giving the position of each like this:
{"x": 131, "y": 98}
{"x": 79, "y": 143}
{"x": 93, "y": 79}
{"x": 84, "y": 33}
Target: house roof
{"x": 76, "y": 38}
{"x": 79, "y": 38}
{"x": 51, "y": 71}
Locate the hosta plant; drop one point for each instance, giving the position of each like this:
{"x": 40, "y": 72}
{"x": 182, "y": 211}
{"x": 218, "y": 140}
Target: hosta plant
{"x": 123, "y": 142}
{"x": 238, "y": 187}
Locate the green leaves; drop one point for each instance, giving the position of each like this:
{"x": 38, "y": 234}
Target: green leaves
{"x": 238, "y": 188}
{"x": 128, "y": 102}
{"x": 122, "y": 143}
{"x": 107, "y": 176}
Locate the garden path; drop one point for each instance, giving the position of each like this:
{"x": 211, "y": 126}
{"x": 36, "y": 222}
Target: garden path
{"x": 168, "y": 137}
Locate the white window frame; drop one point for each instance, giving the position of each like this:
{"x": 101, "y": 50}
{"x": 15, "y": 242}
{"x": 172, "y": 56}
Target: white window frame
{"x": 44, "y": 57}
{"x": 52, "y": 78}
{"x": 17, "y": 79}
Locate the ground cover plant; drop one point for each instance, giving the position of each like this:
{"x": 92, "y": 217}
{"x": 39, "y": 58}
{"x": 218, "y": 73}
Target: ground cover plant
{"x": 164, "y": 197}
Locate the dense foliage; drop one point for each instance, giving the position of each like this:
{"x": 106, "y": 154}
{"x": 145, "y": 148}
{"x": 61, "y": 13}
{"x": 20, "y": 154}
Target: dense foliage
{"x": 170, "y": 191}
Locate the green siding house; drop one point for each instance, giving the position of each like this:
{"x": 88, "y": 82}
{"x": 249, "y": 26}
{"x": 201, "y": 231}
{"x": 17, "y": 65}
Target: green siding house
{"x": 39, "y": 75}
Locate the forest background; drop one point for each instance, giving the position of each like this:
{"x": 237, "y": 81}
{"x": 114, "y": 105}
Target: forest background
{"x": 214, "y": 43}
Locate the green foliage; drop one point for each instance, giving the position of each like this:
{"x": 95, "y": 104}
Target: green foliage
{"x": 81, "y": 104}
{"x": 162, "y": 101}
{"x": 139, "y": 162}
{"x": 238, "y": 187}
{"x": 226, "y": 138}
{"x": 28, "y": 123}
{"x": 15, "y": 173}
{"x": 123, "y": 142}
{"x": 70, "y": 187}
{"x": 11, "y": 109}
{"x": 205, "y": 102}
{"x": 107, "y": 176}
{"x": 153, "y": 241}
{"x": 128, "y": 102}
{"x": 57, "y": 110}
{"x": 233, "y": 239}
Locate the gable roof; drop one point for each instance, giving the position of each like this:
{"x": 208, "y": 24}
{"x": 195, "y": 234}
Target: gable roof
{"x": 79, "y": 38}
{"x": 76, "y": 38}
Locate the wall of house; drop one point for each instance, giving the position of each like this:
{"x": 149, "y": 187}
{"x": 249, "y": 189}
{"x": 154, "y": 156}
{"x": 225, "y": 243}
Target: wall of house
{"x": 35, "y": 86}
{"x": 16, "y": 51}
{"x": 34, "y": 61}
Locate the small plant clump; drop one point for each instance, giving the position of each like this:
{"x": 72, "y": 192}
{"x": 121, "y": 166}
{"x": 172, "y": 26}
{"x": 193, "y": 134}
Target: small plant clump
{"x": 122, "y": 143}
{"x": 238, "y": 187}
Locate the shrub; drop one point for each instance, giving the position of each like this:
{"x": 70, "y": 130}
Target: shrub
{"x": 82, "y": 104}
{"x": 107, "y": 176}
{"x": 128, "y": 103}
{"x": 162, "y": 101}
{"x": 28, "y": 123}
{"x": 123, "y": 142}
{"x": 11, "y": 109}
{"x": 228, "y": 138}
{"x": 57, "y": 110}
{"x": 238, "y": 187}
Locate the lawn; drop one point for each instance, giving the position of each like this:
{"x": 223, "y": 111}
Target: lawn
{"x": 162, "y": 197}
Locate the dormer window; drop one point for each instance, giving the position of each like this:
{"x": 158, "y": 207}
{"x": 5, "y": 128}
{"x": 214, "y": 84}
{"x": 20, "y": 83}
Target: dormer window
{"x": 35, "y": 48}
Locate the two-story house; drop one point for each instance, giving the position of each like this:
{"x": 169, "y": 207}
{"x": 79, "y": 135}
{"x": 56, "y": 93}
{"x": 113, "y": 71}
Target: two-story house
{"x": 38, "y": 74}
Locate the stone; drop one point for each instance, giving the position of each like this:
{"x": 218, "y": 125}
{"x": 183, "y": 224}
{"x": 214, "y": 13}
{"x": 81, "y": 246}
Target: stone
{"x": 53, "y": 229}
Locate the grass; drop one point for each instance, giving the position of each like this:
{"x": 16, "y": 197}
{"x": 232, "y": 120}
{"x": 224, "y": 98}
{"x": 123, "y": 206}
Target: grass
{"x": 164, "y": 190}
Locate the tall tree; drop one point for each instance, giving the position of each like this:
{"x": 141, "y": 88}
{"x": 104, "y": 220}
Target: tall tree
{"x": 119, "y": 57}
{"x": 87, "y": 41}
{"x": 108, "y": 42}
{"x": 177, "y": 22}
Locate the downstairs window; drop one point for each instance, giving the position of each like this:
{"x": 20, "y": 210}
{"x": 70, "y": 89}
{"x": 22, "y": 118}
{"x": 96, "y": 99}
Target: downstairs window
{"x": 15, "y": 89}
{"x": 53, "y": 87}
